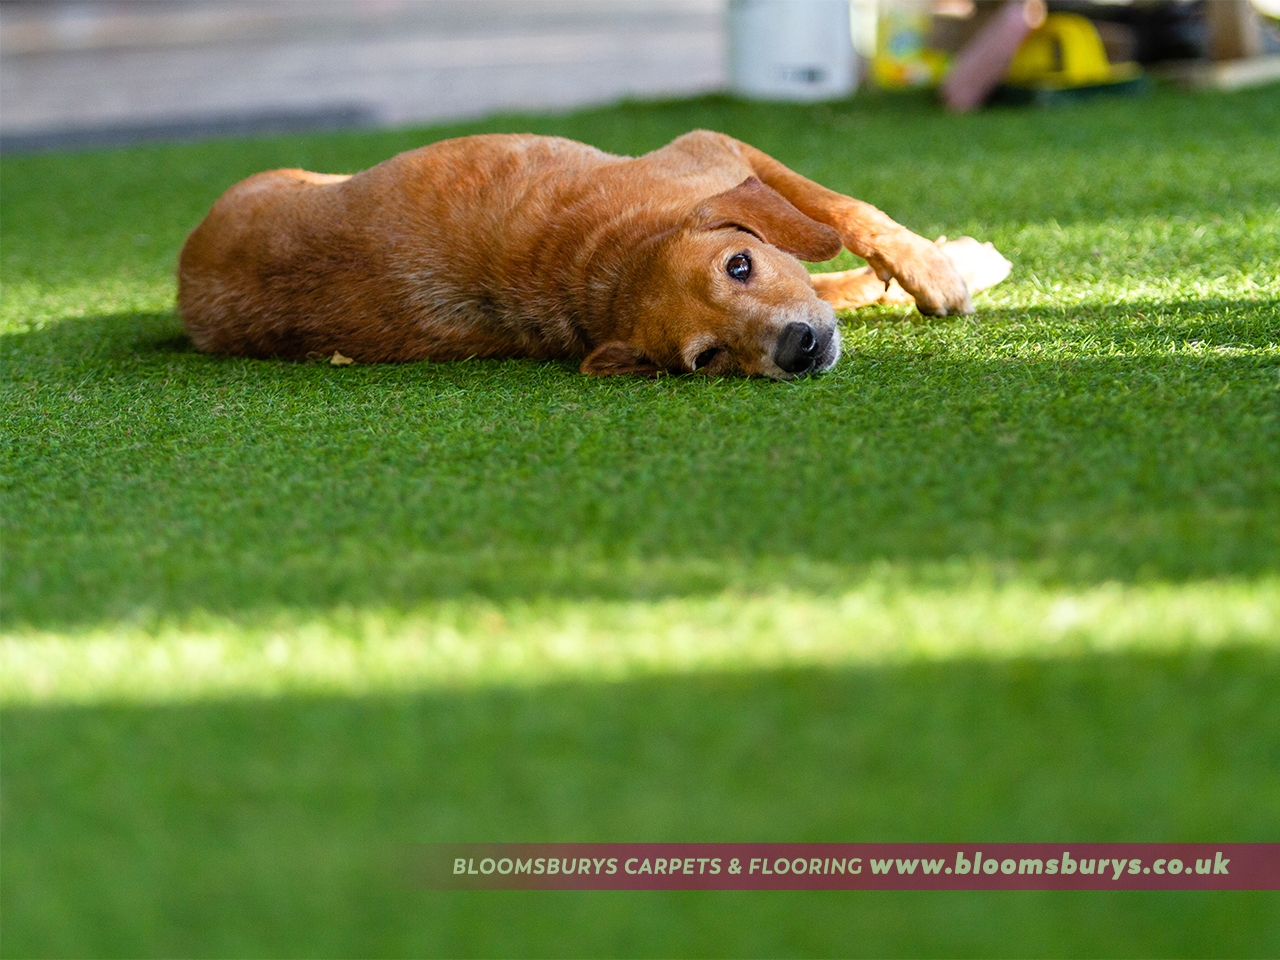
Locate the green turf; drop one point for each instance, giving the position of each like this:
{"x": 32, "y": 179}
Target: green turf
{"x": 1012, "y": 577}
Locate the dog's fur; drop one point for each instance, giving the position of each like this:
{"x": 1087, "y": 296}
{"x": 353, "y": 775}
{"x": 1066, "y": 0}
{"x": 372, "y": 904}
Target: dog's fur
{"x": 524, "y": 246}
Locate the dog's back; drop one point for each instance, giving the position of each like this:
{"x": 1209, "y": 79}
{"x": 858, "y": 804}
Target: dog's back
{"x": 462, "y": 248}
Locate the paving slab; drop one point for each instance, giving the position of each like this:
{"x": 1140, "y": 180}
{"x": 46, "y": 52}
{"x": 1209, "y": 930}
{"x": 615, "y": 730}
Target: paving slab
{"x": 75, "y": 73}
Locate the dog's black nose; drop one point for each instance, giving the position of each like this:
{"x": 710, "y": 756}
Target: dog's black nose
{"x": 797, "y": 347}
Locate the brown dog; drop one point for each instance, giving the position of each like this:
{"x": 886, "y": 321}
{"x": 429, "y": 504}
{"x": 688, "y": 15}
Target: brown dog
{"x": 521, "y": 246}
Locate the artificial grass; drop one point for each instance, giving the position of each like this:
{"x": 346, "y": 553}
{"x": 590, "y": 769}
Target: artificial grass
{"x": 1008, "y": 577}
{"x": 267, "y": 827}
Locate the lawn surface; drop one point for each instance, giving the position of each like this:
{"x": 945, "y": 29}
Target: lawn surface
{"x": 1011, "y": 577}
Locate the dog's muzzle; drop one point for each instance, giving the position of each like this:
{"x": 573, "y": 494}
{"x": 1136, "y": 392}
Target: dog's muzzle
{"x": 802, "y": 348}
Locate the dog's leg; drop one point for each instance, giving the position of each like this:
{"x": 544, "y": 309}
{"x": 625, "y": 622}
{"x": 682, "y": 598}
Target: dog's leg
{"x": 851, "y": 289}
{"x": 922, "y": 269}
{"x": 979, "y": 264}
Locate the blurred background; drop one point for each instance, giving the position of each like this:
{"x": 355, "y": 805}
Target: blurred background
{"x": 72, "y": 72}
{"x": 92, "y": 72}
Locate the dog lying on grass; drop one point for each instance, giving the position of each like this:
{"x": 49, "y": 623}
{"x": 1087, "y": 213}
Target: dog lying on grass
{"x": 685, "y": 259}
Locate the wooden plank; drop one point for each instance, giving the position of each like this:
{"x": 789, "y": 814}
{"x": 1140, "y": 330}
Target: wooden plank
{"x": 1226, "y": 75}
{"x": 1234, "y": 30}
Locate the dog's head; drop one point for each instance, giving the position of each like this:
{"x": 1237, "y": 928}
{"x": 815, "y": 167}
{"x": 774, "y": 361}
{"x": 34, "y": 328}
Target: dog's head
{"x": 723, "y": 292}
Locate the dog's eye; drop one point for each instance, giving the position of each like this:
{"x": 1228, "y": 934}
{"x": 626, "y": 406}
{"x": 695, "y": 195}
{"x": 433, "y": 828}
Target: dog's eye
{"x": 705, "y": 357}
{"x": 739, "y": 267}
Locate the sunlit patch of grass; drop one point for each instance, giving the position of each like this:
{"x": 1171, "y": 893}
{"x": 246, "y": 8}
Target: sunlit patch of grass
{"x": 476, "y": 642}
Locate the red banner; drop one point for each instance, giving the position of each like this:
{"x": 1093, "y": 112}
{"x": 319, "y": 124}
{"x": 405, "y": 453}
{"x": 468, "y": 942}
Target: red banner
{"x": 848, "y": 866}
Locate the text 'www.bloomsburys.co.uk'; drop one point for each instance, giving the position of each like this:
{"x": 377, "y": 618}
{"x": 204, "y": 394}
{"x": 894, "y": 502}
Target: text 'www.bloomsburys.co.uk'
{"x": 623, "y": 866}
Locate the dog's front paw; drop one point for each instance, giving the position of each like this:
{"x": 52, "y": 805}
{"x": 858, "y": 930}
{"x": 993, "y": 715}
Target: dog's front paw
{"x": 980, "y": 264}
{"x": 926, "y": 272}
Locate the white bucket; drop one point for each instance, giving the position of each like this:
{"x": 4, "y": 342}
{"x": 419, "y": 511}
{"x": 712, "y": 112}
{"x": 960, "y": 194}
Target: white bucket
{"x": 791, "y": 49}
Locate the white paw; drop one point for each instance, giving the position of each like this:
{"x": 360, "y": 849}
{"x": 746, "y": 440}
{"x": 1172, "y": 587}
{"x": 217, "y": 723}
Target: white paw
{"x": 980, "y": 264}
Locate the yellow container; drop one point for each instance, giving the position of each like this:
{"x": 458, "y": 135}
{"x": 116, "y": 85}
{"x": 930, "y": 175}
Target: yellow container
{"x": 1066, "y": 51}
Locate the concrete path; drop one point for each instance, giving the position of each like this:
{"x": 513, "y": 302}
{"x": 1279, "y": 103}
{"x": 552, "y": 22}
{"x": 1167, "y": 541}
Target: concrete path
{"x": 83, "y": 73}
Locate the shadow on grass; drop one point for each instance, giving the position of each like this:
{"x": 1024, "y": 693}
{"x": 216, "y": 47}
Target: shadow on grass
{"x": 263, "y": 826}
{"x": 145, "y": 475}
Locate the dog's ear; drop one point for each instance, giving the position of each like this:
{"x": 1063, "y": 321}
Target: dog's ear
{"x": 617, "y": 357}
{"x": 759, "y": 209}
